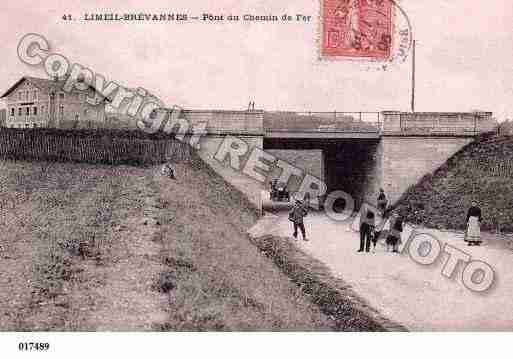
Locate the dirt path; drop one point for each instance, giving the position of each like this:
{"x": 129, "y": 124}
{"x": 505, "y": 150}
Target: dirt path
{"x": 127, "y": 298}
{"x": 416, "y": 296}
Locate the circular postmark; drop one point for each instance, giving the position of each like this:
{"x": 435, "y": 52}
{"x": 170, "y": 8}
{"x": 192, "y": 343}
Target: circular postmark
{"x": 402, "y": 35}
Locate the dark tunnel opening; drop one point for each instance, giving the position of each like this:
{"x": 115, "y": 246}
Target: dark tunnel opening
{"x": 349, "y": 165}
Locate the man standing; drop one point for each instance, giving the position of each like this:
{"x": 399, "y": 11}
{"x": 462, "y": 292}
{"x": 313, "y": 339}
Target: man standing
{"x": 296, "y": 216}
{"x": 366, "y": 230}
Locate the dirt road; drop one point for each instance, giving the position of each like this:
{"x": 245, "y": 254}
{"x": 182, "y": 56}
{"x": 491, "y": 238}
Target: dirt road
{"x": 417, "y": 296}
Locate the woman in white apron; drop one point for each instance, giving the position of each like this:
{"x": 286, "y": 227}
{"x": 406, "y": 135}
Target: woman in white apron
{"x": 473, "y": 233}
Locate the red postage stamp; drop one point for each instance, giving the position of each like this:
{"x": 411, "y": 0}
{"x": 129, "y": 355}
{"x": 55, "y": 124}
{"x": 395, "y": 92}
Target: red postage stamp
{"x": 356, "y": 29}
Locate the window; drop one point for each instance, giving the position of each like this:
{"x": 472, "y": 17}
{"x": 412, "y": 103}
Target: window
{"x": 34, "y": 95}
{"x": 12, "y": 111}
{"x": 77, "y": 117}
{"x": 35, "y": 110}
{"x": 27, "y": 125}
{"x": 34, "y": 125}
{"x": 61, "y": 111}
{"x": 19, "y": 111}
{"x": 42, "y": 110}
{"x": 20, "y": 95}
{"x": 61, "y": 96}
{"x": 27, "y": 111}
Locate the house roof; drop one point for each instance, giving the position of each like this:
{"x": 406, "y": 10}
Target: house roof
{"x": 46, "y": 85}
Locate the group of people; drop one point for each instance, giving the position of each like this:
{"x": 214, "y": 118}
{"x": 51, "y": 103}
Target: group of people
{"x": 390, "y": 228}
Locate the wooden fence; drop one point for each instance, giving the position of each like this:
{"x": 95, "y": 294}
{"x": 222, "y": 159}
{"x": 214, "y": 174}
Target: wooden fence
{"x": 93, "y": 146}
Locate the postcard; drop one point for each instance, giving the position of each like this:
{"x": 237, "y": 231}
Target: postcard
{"x": 175, "y": 167}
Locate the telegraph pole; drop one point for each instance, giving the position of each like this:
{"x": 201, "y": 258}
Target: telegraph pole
{"x": 413, "y": 77}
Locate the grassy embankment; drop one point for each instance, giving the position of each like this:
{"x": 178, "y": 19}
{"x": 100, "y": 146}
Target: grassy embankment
{"x": 96, "y": 247}
{"x": 483, "y": 171}
{"x": 89, "y": 247}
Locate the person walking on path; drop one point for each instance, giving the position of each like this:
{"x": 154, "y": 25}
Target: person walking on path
{"x": 296, "y": 216}
{"x": 382, "y": 201}
{"x": 473, "y": 232}
{"x": 366, "y": 230}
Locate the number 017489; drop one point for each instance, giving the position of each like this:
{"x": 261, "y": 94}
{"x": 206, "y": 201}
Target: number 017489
{"x": 33, "y": 346}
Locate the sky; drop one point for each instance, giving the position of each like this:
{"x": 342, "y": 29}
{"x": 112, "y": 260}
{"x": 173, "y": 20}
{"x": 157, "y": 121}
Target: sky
{"x": 464, "y": 55}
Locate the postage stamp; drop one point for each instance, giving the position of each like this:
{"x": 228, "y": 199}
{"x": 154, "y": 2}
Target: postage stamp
{"x": 360, "y": 29}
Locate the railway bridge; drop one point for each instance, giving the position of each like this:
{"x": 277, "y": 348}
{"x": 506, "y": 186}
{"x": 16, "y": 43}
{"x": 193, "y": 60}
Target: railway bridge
{"x": 357, "y": 152}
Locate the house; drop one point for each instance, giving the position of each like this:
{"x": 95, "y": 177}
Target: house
{"x": 35, "y": 102}
{"x": 2, "y": 117}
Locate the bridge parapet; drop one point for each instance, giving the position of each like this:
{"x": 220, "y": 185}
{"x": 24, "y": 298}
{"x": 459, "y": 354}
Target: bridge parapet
{"x": 436, "y": 123}
{"x": 332, "y": 124}
{"x": 227, "y": 122}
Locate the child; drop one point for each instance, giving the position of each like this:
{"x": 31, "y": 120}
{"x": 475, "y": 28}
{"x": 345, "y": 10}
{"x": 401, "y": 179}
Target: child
{"x": 382, "y": 201}
{"x": 396, "y": 228}
{"x": 374, "y": 239}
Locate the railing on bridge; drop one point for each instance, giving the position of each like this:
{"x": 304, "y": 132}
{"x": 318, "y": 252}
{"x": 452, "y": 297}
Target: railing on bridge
{"x": 322, "y": 122}
{"x": 370, "y": 124}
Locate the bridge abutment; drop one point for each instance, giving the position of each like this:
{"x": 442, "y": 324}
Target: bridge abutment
{"x": 405, "y": 160}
